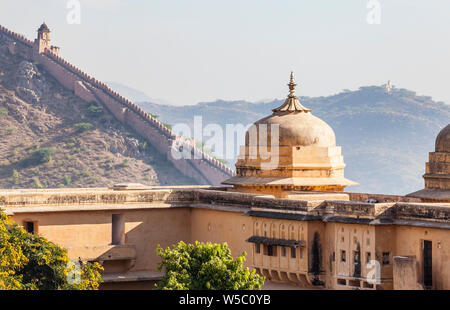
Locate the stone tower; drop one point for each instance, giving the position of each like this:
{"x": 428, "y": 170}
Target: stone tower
{"x": 437, "y": 171}
{"x": 290, "y": 150}
{"x": 42, "y": 42}
{"x": 388, "y": 87}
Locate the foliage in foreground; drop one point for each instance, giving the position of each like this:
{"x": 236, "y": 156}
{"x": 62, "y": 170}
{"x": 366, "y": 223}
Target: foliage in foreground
{"x": 205, "y": 266}
{"x": 29, "y": 261}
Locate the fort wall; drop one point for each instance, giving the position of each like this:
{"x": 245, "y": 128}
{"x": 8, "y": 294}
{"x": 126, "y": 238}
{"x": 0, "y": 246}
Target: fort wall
{"x": 205, "y": 170}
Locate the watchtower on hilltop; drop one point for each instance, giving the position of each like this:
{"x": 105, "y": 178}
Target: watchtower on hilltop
{"x": 42, "y": 42}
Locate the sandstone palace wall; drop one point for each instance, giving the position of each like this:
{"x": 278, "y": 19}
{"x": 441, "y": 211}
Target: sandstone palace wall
{"x": 202, "y": 167}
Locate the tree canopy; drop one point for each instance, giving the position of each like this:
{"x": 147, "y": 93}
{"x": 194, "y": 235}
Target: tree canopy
{"x": 29, "y": 261}
{"x": 205, "y": 266}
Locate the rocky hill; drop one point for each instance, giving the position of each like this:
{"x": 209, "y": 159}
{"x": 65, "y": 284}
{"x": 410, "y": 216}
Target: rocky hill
{"x": 385, "y": 137}
{"x": 51, "y": 138}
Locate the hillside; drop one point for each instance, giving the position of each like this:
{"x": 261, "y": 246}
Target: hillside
{"x": 385, "y": 137}
{"x": 51, "y": 138}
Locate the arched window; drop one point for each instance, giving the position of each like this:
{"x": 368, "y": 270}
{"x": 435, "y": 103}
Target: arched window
{"x": 302, "y": 235}
{"x": 265, "y": 230}
{"x": 282, "y": 231}
{"x": 292, "y": 232}
{"x": 273, "y": 231}
{"x": 256, "y": 228}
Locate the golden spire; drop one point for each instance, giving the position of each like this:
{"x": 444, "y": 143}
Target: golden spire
{"x": 291, "y": 104}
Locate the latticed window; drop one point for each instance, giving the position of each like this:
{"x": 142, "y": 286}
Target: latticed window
{"x": 293, "y": 253}
{"x": 386, "y": 258}
{"x": 271, "y": 250}
{"x": 343, "y": 256}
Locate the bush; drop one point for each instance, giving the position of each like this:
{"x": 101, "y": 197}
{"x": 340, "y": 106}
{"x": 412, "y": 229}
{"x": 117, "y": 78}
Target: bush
{"x": 41, "y": 156}
{"x": 3, "y": 112}
{"x": 15, "y": 177}
{"x": 205, "y": 266}
{"x": 143, "y": 146}
{"x": 67, "y": 180}
{"x": 86, "y": 173}
{"x": 125, "y": 163}
{"x": 82, "y": 127}
{"x": 36, "y": 183}
{"x": 31, "y": 262}
{"x": 94, "y": 109}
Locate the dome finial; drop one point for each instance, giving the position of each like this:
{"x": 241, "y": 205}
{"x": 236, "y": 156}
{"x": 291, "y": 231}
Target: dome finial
{"x": 292, "y": 86}
{"x": 291, "y": 104}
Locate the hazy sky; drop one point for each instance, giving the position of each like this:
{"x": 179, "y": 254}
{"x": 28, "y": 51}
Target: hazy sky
{"x": 189, "y": 51}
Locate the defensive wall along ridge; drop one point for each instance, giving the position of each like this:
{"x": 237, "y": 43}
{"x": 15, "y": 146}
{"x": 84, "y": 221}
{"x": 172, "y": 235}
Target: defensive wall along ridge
{"x": 200, "y": 166}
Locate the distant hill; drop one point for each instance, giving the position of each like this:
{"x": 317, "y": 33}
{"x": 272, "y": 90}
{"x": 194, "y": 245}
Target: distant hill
{"x": 51, "y": 138}
{"x": 385, "y": 137}
{"x": 134, "y": 94}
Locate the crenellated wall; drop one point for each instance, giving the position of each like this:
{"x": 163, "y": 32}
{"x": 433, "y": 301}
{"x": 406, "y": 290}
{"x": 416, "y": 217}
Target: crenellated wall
{"x": 205, "y": 170}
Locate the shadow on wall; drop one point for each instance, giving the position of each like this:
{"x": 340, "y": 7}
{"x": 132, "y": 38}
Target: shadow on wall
{"x": 124, "y": 240}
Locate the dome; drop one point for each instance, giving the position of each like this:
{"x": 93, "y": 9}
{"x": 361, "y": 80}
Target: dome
{"x": 443, "y": 140}
{"x": 297, "y": 126}
{"x": 301, "y": 156}
{"x": 44, "y": 28}
{"x": 299, "y": 129}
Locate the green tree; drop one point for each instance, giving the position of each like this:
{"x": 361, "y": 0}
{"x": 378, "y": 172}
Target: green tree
{"x": 29, "y": 261}
{"x": 205, "y": 266}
